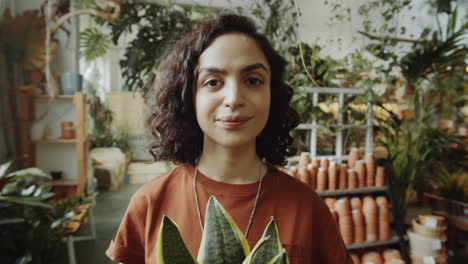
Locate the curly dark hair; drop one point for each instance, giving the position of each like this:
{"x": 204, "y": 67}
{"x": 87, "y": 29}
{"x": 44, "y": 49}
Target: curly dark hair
{"x": 175, "y": 133}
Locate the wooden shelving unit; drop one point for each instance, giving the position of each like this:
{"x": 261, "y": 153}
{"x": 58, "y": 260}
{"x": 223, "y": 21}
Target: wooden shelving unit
{"x": 79, "y": 145}
{"x": 391, "y": 241}
{"x": 345, "y": 192}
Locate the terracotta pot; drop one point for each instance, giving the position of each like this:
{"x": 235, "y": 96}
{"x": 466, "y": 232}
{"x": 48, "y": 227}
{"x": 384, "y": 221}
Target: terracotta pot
{"x": 332, "y": 176}
{"x": 381, "y": 201}
{"x": 370, "y": 169}
{"x": 390, "y": 254}
{"x": 334, "y": 214}
{"x": 384, "y": 230}
{"x": 352, "y": 179}
{"x": 380, "y": 176}
{"x": 313, "y": 170}
{"x": 369, "y": 208}
{"x": 324, "y": 163}
{"x": 355, "y": 258}
{"x": 293, "y": 171}
{"x": 356, "y": 203}
{"x": 330, "y": 202}
{"x": 372, "y": 257}
{"x": 35, "y": 76}
{"x": 353, "y": 156}
{"x": 322, "y": 179}
{"x": 343, "y": 182}
{"x": 304, "y": 160}
{"x": 68, "y": 130}
{"x": 303, "y": 174}
{"x": 359, "y": 229}
{"x": 360, "y": 168}
{"x": 315, "y": 162}
{"x": 342, "y": 206}
{"x": 346, "y": 228}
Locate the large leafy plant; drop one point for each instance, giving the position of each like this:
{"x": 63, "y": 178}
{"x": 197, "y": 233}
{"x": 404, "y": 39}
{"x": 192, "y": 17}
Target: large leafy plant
{"x": 222, "y": 242}
{"x": 31, "y": 225}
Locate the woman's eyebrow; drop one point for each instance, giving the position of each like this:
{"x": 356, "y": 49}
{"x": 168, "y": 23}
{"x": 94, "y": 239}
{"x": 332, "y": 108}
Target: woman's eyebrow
{"x": 243, "y": 70}
{"x": 254, "y": 67}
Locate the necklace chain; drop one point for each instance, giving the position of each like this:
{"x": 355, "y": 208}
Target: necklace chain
{"x": 253, "y": 208}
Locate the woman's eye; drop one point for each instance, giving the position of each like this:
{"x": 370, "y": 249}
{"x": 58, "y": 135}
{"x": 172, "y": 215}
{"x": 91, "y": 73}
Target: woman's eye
{"x": 212, "y": 83}
{"x": 254, "y": 81}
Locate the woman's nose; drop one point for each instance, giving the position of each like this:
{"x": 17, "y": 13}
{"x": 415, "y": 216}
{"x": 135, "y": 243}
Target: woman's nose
{"x": 233, "y": 95}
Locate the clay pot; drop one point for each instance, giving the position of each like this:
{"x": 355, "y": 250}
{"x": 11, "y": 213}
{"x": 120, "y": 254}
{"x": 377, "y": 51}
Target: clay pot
{"x": 68, "y": 130}
{"x": 332, "y": 176}
{"x": 330, "y": 202}
{"x": 315, "y": 162}
{"x": 324, "y": 163}
{"x": 322, "y": 178}
{"x": 334, "y": 214}
{"x": 359, "y": 228}
{"x": 343, "y": 181}
{"x": 381, "y": 201}
{"x": 293, "y": 171}
{"x": 355, "y": 258}
{"x": 370, "y": 170}
{"x": 356, "y": 203}
{"x": 342, "y": 206}
{"x": 432, "y": 221}
{"x": 352, "y": 179}
{"x": 345, "y": 224}
{"x": 353, "y": 156}
{"x": 303, "y": 174}
{"x": 380, "y": 176}
{"x": 372, "y": 257}
{"x": 304, "y": 160}
{"x": 390, "y": 254}
{"x": 370, "y": 211}
{"x": 360, "y": 168}
{"x": 313, "y": 170}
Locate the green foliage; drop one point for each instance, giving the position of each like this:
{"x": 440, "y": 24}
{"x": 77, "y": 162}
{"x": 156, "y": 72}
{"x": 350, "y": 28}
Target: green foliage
{"x": 30, "y": 223}
{"x": 118, "y": 138}
{"x": 451, "y": 185}
{"x": 156, "y": 26}
{"x": 222, "y": 242}
{"x": 93, "y": 44}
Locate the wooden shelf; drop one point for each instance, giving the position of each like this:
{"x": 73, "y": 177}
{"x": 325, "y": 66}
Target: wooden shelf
{"x": 366, "y": 190}
{"x": 391, "y": 241}
{"x": 55, "y": 141}
{"x": 65, "y": 182}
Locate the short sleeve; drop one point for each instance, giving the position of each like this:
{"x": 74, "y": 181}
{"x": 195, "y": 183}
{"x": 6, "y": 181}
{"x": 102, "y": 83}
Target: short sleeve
{"x": 332, "y": 249}
{"x": 128, "y": 246}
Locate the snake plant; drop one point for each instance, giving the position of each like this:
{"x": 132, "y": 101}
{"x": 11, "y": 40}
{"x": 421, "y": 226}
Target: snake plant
{"x": 222, "y": 242}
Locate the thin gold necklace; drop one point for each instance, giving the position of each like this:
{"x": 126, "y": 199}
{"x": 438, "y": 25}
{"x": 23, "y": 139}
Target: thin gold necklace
{"x": 253, "y": 209}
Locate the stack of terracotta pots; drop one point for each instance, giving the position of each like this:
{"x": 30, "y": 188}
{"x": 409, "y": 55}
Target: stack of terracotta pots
{"x": 325, "y": 174}
{"x": 388, "y": 256}
{"x": 361, "y": 220}
{"x": 427, "y": 239}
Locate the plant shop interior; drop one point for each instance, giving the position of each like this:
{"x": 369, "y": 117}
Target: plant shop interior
{"x": 380, "y": 87}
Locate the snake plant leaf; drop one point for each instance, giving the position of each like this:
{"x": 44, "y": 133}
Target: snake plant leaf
{"x": 222, "y": 240}
{"x": 258, "y": 246}
{"x": 272, "y": 246}
{"x": 281, "y": 258}
{"x": 171, "y": 248}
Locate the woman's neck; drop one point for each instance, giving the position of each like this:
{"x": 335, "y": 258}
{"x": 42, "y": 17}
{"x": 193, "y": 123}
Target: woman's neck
{"x": 231, "y": 165}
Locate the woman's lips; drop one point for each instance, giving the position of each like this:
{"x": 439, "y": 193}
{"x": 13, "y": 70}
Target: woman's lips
{"x": 234, "y": 123}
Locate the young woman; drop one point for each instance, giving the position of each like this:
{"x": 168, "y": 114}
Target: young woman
{"x": 222, "y": 111}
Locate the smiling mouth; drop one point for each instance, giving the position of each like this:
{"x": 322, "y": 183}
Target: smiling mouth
{"x": 234, "y": 122}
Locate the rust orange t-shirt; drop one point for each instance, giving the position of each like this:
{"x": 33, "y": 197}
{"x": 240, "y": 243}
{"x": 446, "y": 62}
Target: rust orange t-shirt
{"x": 306, "y": 228}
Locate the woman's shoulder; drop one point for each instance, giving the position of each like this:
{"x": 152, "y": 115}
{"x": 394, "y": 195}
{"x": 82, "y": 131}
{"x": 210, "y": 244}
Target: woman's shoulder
{"x": 292, "y": 186}
{"x": 160, "y": 183}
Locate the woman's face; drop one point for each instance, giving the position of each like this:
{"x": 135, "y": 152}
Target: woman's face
{"x": 232, "y": 91}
